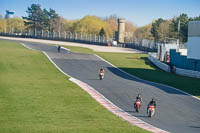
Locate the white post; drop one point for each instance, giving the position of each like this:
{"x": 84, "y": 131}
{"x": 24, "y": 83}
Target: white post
{"x": 59, "y": 34}
{"x": 47, "y": 34}
{"x": 35, "y": 32}
{"x": 12, "y": 31}
{"x": 65, "y": 35}
{"x": 86, "y": 38}
{"x": 90, "y": 38}
{"x": 81, "y": 36}
{"x": 75, "y": 36}
{"x": 53, "y": 34}
{"x": 42, "y": 33}
{"x": 70, "y": 35}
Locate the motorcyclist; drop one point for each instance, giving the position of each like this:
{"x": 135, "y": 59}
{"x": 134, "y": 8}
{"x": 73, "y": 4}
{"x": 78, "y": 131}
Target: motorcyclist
{"x": 151, "y": 103}
{"x": 138, "y": 98}
{"x": 59, "y": 47}
{"x": 101, "y": 71}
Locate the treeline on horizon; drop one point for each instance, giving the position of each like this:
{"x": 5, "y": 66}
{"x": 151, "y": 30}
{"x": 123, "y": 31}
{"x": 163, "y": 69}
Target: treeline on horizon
{"x": 48, "y": 20}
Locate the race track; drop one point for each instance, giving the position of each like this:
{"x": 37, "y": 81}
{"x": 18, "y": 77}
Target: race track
{"x": 176, "y": 112}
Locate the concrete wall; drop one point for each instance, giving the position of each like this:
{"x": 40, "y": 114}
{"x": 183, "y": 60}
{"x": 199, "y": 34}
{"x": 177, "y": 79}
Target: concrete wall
{"x": 181, "y": 61}
{"x": 193, "y": 43}
{"x": 190, "y": 73}
{"x": 153, "y": 58}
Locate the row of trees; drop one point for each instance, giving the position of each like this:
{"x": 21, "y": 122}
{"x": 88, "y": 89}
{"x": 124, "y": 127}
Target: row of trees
{"x": 48, "y": 20}
{"x": 12, "y": 24}
{"x": 160, "y": 29}
{"x": 44, "y": 19}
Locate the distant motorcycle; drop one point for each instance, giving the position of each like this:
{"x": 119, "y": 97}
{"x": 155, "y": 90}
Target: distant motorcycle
{"x": 101, "y": 76}
{"x": 137, "y": 106}
{"x": 151, "y": 111}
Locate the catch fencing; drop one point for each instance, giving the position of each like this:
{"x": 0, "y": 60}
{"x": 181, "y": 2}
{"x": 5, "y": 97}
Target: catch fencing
{"x": 140, "y": 44}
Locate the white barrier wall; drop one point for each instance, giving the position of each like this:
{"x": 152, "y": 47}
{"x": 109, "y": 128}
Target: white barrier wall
{"x": 193, "y": 43}
{"x": 152, "y": 57}
{"x": 188, "y": 73}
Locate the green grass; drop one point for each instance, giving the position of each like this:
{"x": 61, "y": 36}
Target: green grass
{"x": 140, "y": 66}
{"x": 37, "y": 98}
{"x": 80, "y": 49}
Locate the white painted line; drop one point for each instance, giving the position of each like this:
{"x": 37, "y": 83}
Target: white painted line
{"x": 26, "y": 46}
{"x": 66, "y": 48}
{"x": 55, "y": 64}
{"x": 147, "y": 80}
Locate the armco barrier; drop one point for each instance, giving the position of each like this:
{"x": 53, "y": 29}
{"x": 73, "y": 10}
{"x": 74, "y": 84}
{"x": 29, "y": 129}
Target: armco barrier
{"x": 163, "y": 66}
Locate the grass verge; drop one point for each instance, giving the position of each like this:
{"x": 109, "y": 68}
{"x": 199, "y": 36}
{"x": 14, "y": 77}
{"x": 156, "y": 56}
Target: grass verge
{"x": 140, "y": 66}
{"x": 37, "y": 98}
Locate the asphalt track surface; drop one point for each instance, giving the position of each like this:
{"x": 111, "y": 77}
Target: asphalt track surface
{"x": 176, "y": 112}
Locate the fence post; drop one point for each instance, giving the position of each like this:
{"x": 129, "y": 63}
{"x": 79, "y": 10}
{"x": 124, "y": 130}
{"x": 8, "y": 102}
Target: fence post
{"x": 35, "y": 32}
{"x": 12, "y": 31}
{"x": 59, "y": 34}
{"x": 81, "y": 36}
{"x": 65, "y": 35}
{"x": 69, "y": 35}
{"x": 42, "y": 33}
{"x": 86, "y": 37}
{"x": 53, "y": 34}
{"x": 47, "y": 34}
{"x": 75, "y": 36}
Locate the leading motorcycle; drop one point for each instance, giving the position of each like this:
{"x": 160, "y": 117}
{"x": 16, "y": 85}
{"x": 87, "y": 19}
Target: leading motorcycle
{"x": 137, "y": 106}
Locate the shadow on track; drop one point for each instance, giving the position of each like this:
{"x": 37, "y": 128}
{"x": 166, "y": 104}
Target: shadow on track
{"x": 126, "y": 76}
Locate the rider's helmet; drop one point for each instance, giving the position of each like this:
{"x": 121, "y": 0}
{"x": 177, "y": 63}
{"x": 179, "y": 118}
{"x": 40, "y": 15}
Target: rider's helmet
{"x": 101, "y": 69}
{"x": 139, "y": 95}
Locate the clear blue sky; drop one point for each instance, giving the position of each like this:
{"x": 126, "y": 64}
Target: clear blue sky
{"x": 140, "y": 12}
